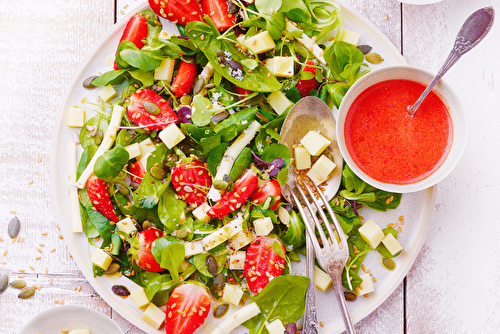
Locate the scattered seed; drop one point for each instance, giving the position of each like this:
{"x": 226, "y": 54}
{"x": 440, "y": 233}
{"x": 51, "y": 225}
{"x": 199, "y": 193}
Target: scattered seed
{"x": 388, "y": 263}
{"x": 5, "y": 253}
{"x": 14, "y": 227}
{"x": 374, "y": 58}
{"x": 4, "y": 282}
{"x": 18, "y": 284}
{"x": 87, "y": 83}
{"x": 26, "y": 292}
{"x": 221, "y": 310}
{"x": 112, "y": 269}
{"x": 120, "y": 290}
{"x": 350, "y": 296}
{"x": 364, "y": 48}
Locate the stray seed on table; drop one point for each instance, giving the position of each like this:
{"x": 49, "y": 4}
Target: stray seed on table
{"x": 46, "y": 270}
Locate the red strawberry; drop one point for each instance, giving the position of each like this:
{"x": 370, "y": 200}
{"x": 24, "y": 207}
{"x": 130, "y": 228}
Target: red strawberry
{"x": 232, "y": 200}
{"x": 262, "y": 263}
{"x": 184, "y": 80}
{"x": 187, "y": 308}
{"x": 241, "y": 91}
{"x": 178, "y": 11}
{"x": 191, "y": 181}
{"x": 306, "y": 86}
{"x": 162, "y": 116}
{"x": 218, "y": 12}
{"x": 99, "y": 196}
{"x": 270, "y": 188}
{"x": 141, "y": 252}
{"x": 138, "y": 171}
{"x": 136, "y": 32}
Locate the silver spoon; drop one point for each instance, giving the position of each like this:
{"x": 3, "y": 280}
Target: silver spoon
{"x": 472, "y": 32}
{"x": 311, "y": 113}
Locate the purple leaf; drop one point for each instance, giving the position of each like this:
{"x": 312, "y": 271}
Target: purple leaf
{"x": 273, "y": 167}
{"x": 184, "y": 114}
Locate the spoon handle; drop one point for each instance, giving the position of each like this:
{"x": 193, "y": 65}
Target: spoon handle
{"x": 473, "y": 31}
{"x": 310, "y": 325}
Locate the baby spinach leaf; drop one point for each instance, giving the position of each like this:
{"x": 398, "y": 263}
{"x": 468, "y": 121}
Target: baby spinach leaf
{"x": 277, "y": 151}
{"x": 114, "y": 77}
{"x": 295, "y": 236}
{"x": 149, "y": 192}
{"x": 87, "y": 155}
{"x": 268, "y": 7}
{"x": 171, "y": 258}
{"x": 215, "y": 157}
{"x": 241, "y": 163}
{"x": 111, "y": 163}
{"x": 170, "y": 209}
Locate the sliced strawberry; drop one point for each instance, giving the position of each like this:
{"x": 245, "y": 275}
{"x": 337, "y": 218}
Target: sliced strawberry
{"x": 136, "y": 32}
{"x": 270, "y": 188}
{"x": 187, "y": 308}
{"x": 306, "y": 86}
{"x": 178, "y": 11}
{"x": 161, "y": 116}
{"x": 262, "y": 263}
{"x": 232, "y": 200}
{"x": 137, "y": 172}
{"x": 218, "y": 13}
{"x": 141, "y": 250}
{"x": 184, "y": 80}
{"x": 241, "y": 91}
{"x": 191, "y": 181}
{"x": 99, "y": 196}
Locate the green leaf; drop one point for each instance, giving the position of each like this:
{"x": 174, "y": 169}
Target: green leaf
{"x": 111, "y": 163}
{"x": 149, "y": 192}
{"x": 295, "y": 235}
{"x": 202, "y": 111}
{"x": 241, "y": 163}
{"x": 170, "y": 209}
{"x": 171, "y": 258}
{"x": 114, "y": 77}
{"x": 268, "y": 7}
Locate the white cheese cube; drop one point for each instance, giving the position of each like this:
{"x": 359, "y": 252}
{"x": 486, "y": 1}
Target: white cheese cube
{"x": 237, "y": 318}
{"x": 232, "y": 293}
{"x": 263, "y": 226}
{"x": 280, "y": 66}
{"x": 391, "y": 243}
{"x": 79, "y": 331}
{"x": 153, "y": 315}
{"x": 279, "y": 102}
{"x": 193, "y": 247}
{"x": 165, "y": 70}
{"x": 366, "y": 286}
{"x": 101, "y": 259}
{"x": 371, "y": 233}
{"x": 126, "y": 225}
{"x": 350, "y": 37}
{"x": 259, "y": 43}
{"x": 302, "y": 158}
{"x": 222, "y": 234}
{"x": 321, "y": 169}
{"x": 171, "y": 135}
{"x": 147, "y": 147}
{"x": 275, "y": 327}
{"x": 315, "y": 143}
{"x": 108, "y": 93}
{"x": 139, "y": 298}
{"x": 241, "y": 239}
{"x": 200, "y": 212}
{"x": 321, "y": 279}
{"x": 134, "y": 150}
{"x": 237, "y": 260}
{"x": 76, "y": 117}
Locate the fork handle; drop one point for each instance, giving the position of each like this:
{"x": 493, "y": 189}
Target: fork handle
{"x": 339, "y": 291}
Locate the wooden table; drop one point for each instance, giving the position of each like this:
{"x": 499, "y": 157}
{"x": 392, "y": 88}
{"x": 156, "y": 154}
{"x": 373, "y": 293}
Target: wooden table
{"x": 453, "y": 286}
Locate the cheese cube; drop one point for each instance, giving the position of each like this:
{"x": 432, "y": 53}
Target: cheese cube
{"x": 193, "y": 247}
{"x": 302, "y": 158}
{"x": 232, "y": 293}
{"x": 79, "y": 331}
{"x": 371, "y": 233}
{"x": 222, "y": 234}
{"x": 321, "y": 169}
{"x": 392, "y": 244}
{"x": 76, "y": 117}
{"x": 200, "y": 212}
{"x": 165, "y": 70}
{"x": 147, "y": 147}
{"x": 279, "y": 102}
{"x": 259, "y": 43}
{"x": 315, "y": 143}
{"x": 237, "y": 260}
{"x": 101, "y": 259}
{"x": 350, "y": 37}
{"x": 126, "y": 225}
{"x": 153, "y": 315}
{"x": 275, "y": 327}
{"x": 366, "y": 286}
{"x": 171, "y": 135}
{"x": 280, "y": 66}
{"x": 241, "y": 239}
{"x": 108, "y": 93}
{"x": 139, "y": 298}
{"x": 134, "y": 150}
{"x": 263, "y": 226}
{"x": 321, "y": 279}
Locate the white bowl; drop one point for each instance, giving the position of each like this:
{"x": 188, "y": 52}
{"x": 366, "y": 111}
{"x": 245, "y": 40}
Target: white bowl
{"x": 459, "y": 131}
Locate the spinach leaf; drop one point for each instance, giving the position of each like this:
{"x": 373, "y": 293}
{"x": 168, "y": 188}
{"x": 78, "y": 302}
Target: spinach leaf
{"x": 149, "y": 192}
{"x": 87, "y": 155}
{"x": 111, "y": 163}
{"x": 215, "y": 157}
{"x": 277, "y": 151}
{"x": 168, "y": 251}
{"x": 85, "y": 138}
{"x": 241, "y": 163}
{"x": 295, "y": 235}
{"x": 170, "y": 209}
{"x": 128, "y": 55}
{"x": 220, "y": 253}
{"x": 113, "y": 77}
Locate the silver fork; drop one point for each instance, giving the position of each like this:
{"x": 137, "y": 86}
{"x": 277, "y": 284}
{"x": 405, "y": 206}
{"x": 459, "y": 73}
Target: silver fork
{"x": 332, "y": 255}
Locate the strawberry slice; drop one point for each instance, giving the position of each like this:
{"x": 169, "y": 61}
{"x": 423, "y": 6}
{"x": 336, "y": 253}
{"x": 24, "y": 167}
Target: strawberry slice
{"x": 137, "y": 172}
{"x": 141, "y": 250}
{"x": 241, "y": 91}
{"x": 136, "y": 32}
{"x": 178, "y": 11}
{"x": 187, "y": 308}
{"x": 184, "y": 80}
{"x": 232, "y": 200}
{"x": 306, "y": 86}
{"x": 270, "y": 188}
{"x": 158, "y": 114}
{"x": 217, "y": 10}
{"x": 191, "y": 181}
{"x": 99, "y": 196}
{"x": 262, "y": 263}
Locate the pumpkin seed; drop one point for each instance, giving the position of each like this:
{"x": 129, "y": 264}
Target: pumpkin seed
{"x": 18, "y": 284}
{"x": 4, "y": 282}
{"x": 134, "y": 185}
{"x": 87, "y": 83}
{"x": 388, "y": 263}
{"x": 231, "y": 7}
{"x": 364, "y": 48}
{"x": 284, "y": 216}
{"x": 236, "y": 65}
{"x": 220, "y": 116}
{"x": 181, "y": 234}
{"x": 220, "y": 185}
{"x": 222, "y": 309}
{"x": 188, "y": 59}
{"x": 198, "y": 86}
{"x": 146, "y": 225}
{"x": 262, "y": 117}
{"x": 152, "y": 108}
{"x": 98, "y": 138}
{"x": 374, "y": 58}
{"x": 350, "y": 296}
{"x": 212, "y": 265}
{"x": 158, "y": 172}
{"x": 122, "y": 189}
{"x": 184, "y": 266}
{"x": 14, "y": 227}
{"x": 186, "y": 100}
{"x": 26, "y": 292}
{"x": 219, "y": 283}
{"x": 120, "y": 290}
{"x": 112, "y": 269}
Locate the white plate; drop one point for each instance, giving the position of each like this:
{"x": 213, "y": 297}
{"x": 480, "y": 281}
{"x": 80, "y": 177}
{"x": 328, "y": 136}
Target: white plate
{"x": 420, "y": 2}
{"x": 69, "y": 317}
{"x": 416, "y": 208}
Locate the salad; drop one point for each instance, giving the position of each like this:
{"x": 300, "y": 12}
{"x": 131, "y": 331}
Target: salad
{"x": 179, "y": 180}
